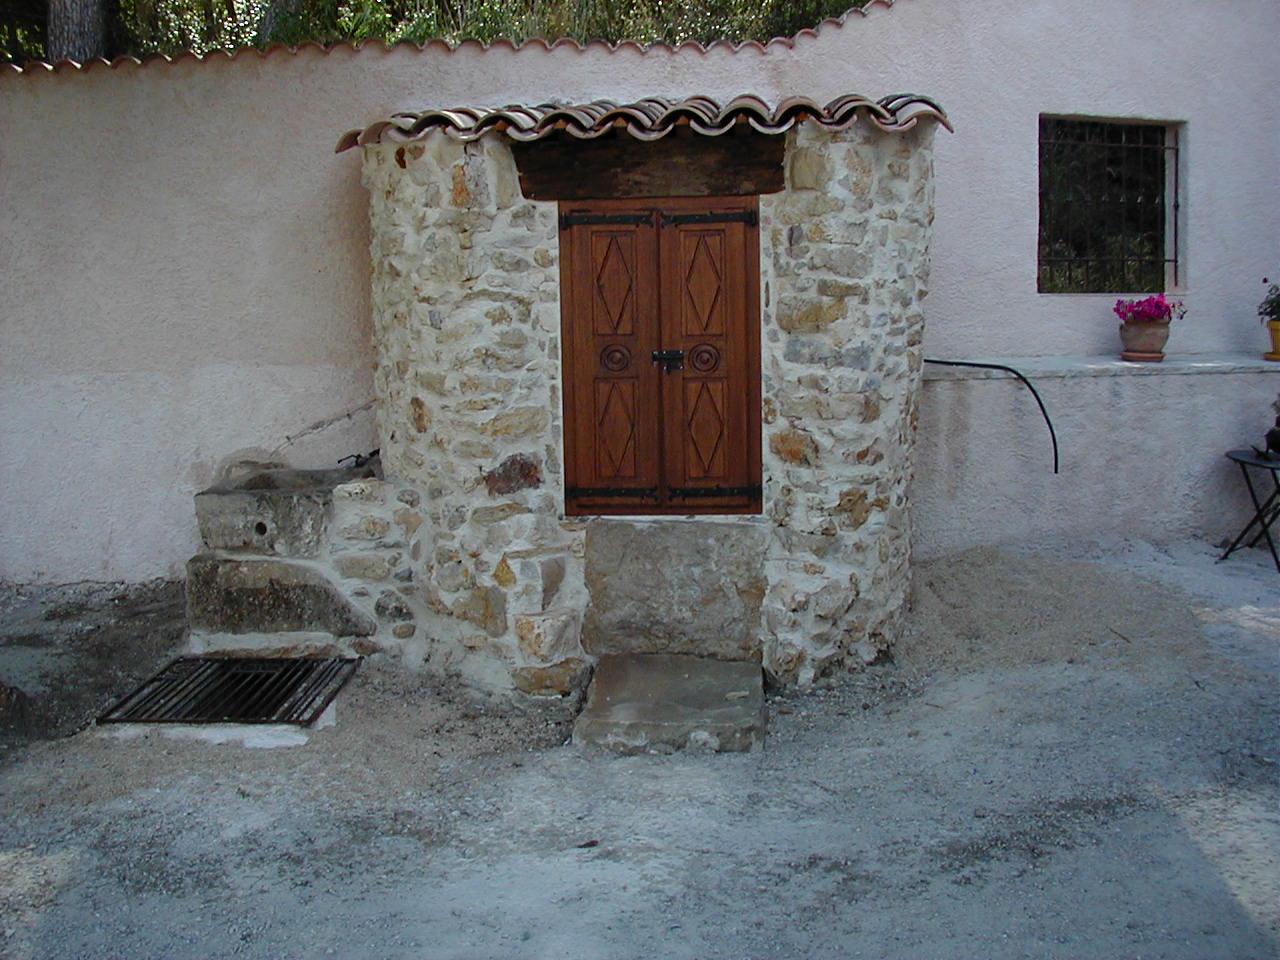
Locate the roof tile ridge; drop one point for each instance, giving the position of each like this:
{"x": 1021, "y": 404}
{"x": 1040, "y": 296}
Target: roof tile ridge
{"x": 651, "y": 118}
{"x": 812, "y": 33}
{"x": 129, "y": 60}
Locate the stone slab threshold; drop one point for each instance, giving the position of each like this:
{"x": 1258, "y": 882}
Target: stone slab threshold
{"x": 660, "y": 703}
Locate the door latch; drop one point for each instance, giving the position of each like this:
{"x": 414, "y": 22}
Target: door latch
{"x": 670, "y": 359}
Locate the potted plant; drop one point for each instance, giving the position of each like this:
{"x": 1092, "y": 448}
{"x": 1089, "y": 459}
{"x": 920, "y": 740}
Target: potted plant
{"x": 1269, "y": 312}
{"x": 1144, "y": 327}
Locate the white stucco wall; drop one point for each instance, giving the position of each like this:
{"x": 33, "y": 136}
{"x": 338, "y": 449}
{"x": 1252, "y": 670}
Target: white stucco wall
{"x": 1141, "y": 450}
{"x": 184, "y": 267}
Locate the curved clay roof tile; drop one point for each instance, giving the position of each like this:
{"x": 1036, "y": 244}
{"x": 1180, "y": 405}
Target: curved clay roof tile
{"x": 649, "y": 119}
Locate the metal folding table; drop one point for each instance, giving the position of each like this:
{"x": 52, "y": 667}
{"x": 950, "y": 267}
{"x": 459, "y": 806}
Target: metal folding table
{"x": 1266, "y": 512}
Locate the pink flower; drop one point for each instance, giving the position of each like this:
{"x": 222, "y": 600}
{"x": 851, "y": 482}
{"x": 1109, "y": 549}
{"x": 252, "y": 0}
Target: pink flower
{"x": 1151, "y": 310}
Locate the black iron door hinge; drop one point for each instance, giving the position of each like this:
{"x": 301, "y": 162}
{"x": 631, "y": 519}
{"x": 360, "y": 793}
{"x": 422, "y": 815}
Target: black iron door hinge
{"x": 698, "y": 493}
{"x": 568, "y": 220}
{"x": 642, "y": 493}
{"x": 749, "y": 217}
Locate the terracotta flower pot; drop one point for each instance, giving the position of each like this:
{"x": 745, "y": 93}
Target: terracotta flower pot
{"x": 1143, "y": 342}
{"x": 1274, "y": 327}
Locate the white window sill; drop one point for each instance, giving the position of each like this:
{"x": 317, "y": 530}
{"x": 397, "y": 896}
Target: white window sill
{"x": 1062, "y": 368}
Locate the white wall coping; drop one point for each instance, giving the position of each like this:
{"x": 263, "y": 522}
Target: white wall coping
{"x": 1068, "y": 368}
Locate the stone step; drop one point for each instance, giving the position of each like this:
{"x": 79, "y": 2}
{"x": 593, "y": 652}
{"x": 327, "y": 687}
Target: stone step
{"x": 658, "y": 703}
{"x": 267, "y": 595}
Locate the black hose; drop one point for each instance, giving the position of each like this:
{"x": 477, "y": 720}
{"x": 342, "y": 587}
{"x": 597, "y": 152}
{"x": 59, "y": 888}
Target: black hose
{"x": 1053, "y": 436}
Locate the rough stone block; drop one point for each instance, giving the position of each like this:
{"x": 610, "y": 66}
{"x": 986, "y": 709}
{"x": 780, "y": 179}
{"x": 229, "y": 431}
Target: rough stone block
{"x": 548, "y": 636}
{"x": 517, "y": 423}
{"x": 247, "y": 596}
{"x": 486, "y": 515}
{"x": 364, "y": 566}
{"x": 289, "y": 523}
{"x": 794, "y": 446}
{"x": 485, "y": 607}
{"x": 806, "y": 315}
{"x": 809, "y": 169}
{"x": 370, "y": 490}
{"x": 520, "y": 471}
{"x": 647, "y": 704}
{"x": 674, "y": 588}
{"x": 553, "y": 570}
{"x": 391, "y": 606}
{"x": 832, "y": 600}
{"x": 853, "y": 504}
{"x": 409, "y": 520}
{"x": 366, "y": 528}
{"x": 558, "y": 680}
{"x": 843, "y": 261}
{"x": 503, "y": 575}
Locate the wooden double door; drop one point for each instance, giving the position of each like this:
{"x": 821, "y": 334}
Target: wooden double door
{"x": 661, "y": 341}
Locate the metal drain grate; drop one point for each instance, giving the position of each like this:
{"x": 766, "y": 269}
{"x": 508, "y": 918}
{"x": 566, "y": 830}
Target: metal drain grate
{"x": 236, "y": 690}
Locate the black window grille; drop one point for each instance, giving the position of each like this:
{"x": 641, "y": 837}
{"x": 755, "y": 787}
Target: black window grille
{"x": 1108, "y": 207}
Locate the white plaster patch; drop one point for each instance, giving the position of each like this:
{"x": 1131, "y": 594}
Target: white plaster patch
{"x": 256, "y": 736}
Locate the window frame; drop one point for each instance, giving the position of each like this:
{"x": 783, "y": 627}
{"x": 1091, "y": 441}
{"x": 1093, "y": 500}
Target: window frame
{"x": 1173, "y": 254}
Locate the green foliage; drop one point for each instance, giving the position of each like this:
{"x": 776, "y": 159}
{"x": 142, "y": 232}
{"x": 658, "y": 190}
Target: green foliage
{"x": 645, "y": 21}
{"x": 144, "y": 27}
{"x": 172, "y": 26}
{"x": 1269, "y": 308}
{"x": 22, "y": 30}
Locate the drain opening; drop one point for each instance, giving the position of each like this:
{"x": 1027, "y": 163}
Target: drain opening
{"x": 236, "y": 690}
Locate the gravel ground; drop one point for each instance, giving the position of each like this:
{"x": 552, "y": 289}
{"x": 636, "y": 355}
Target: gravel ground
{"x": 1073, "y": 755}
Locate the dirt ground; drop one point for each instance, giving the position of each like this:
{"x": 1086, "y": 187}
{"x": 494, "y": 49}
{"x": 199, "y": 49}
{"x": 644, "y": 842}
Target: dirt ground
{"x": 1074, "y": 755}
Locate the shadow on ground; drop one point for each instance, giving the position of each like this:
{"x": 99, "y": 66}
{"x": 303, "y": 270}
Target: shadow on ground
{"x": 67, "y": 652}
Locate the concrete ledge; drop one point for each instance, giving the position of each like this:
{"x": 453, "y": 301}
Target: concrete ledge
{"x": 1062, "y": 368}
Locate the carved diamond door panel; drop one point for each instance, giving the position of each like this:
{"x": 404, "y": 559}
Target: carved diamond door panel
{"x": 613, "y": 257}
{"x": 661, "y": 356}
{"x": 610, "y": 387}
{"x": 707, "y": 261}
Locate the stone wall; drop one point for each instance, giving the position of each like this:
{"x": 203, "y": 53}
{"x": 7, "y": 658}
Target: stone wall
{"x": 467, "y": 319}
{"x": 845, "y": 266}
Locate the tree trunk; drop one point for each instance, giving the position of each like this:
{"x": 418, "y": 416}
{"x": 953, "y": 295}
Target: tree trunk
{"x": 277, "y": 14}
{"x": 77, "y": 30}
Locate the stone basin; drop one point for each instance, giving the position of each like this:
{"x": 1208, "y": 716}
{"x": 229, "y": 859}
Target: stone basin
{"x": 290, "y": 480}
{"x": 277, "y": 511}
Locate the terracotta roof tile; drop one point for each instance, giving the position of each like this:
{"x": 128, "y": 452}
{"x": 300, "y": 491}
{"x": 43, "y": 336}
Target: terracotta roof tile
{"x": 649, "y": 119}
{"x": 42, "y": 66}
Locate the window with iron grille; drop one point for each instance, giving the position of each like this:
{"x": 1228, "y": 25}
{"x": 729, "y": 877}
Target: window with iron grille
{"x": 1108, "y": 207}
